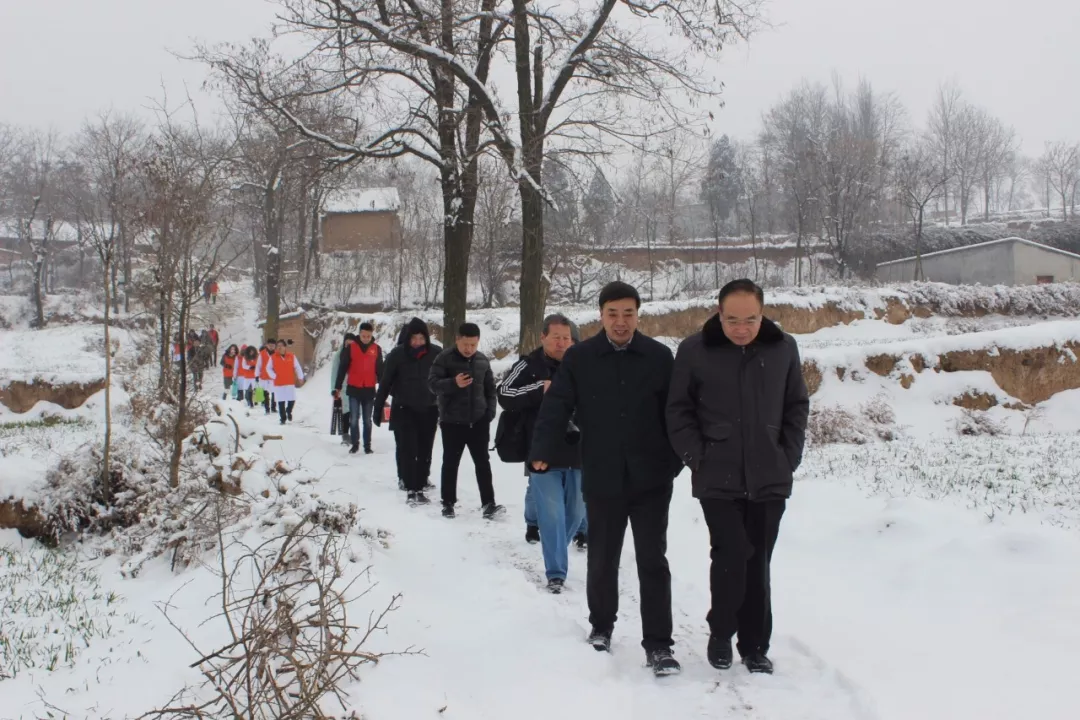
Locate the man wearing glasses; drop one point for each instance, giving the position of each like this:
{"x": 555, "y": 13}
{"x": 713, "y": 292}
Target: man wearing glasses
{"x": 736, "y": 416}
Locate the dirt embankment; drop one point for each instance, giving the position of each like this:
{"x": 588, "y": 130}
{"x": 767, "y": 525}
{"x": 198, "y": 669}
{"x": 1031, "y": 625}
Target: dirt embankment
{"x": 15, "y": 516}
{"x": 20, "y": 396}
{"x": 1031, "y": 375}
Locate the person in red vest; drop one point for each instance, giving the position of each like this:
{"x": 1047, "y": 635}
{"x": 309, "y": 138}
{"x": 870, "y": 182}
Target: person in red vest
{"x": 286, "y": 373}
{"x": 245, "y": 374}
{"x": 214, "y": 337}
{"x": 213, "y": 292}
{"x": 228, "y": 367}
{"x": 262, "y": 372}
{"x": 361, "y": 363}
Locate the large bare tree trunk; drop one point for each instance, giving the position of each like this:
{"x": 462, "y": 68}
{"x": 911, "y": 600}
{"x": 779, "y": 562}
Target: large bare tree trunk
{"x": 532, "y": 263}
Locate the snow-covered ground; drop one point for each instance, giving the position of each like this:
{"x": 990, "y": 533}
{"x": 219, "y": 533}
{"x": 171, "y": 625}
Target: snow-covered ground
{"x": 932, "y": 577}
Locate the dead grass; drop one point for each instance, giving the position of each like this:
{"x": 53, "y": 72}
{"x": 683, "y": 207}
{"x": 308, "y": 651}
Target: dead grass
{"x": 972, "y": 400}
{"x": 20, "y": 396}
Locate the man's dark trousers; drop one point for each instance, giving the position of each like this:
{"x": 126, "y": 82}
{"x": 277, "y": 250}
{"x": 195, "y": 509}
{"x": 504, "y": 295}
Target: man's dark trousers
{"x": 742, "y": 535}
{"x": 357, "y": 405}
{"x": 414, "y": 435}
{"x": 647, "y": 513}
{"x": 455, "y": 439}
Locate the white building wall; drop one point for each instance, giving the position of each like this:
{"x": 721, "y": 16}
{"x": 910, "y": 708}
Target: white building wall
{"x": 1030, "y": 262}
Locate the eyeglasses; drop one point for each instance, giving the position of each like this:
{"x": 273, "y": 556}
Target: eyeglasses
{"x": 733, "y": 322}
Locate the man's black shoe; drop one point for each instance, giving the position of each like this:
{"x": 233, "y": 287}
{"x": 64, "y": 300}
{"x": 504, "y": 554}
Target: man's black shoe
{"x": 756, "y": 662}
{"x": 662, "y": 662}
{"x": 532, "y": 534}
{"x": 600, "y": 640}
{"x": 719, "y": 652}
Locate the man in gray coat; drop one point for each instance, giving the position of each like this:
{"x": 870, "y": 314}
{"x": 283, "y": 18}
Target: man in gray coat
{"x": 736, "y": 416}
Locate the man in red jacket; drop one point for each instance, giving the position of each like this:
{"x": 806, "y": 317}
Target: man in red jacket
{"x": 361, "y": 363}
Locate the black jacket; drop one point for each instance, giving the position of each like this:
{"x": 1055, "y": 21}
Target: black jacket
{"x": 405, "y": 373}
{"x": 737, "y": 416}
{"x": 522, "y": 390}
{"x": 619, "y": 399}
{"x": 345, "y": 359}
{"x": 463, "y": 406}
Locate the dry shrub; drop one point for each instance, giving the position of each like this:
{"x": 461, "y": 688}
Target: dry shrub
{"x": 291, "y": 649}
{"x": 906, "y": 381}
{"x": 879, "y": 415}
{"x": 834, "y": 424}
{"x": 977, "y": 422}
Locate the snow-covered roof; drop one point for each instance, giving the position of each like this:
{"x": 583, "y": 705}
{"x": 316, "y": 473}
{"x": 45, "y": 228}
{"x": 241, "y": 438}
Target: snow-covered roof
{"x": 357, "y": 200}
{"x": 1059, "y": 251}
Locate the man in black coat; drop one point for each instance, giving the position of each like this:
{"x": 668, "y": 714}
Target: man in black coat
{"x": 617, "y": 384}
{"x": 462, "y": 381}
{"x": 737, "y": 417}
{"x": 414, "y": 414}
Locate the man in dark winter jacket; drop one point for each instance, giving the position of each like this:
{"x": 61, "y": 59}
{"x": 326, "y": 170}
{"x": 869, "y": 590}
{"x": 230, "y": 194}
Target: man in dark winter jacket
{"x": 617, "y": 384}
{"x": 414, "y": 415}
{"x": 461, "y": 378}
{"x": 737, "y": 417}
{"x": 555, "y": 494}
{"x": 361, "y": 364}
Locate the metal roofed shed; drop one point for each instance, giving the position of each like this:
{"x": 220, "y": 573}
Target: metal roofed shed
{"x": 1009, "y": 261}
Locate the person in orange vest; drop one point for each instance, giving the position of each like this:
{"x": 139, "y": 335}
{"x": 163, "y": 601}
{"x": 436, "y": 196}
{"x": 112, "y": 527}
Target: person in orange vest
{"x": 213, "y": 292}
{"x": 228, "y": 367}
{"x": 361, "y": 364}
{"x": 287, "y": 375}
{"x": 266, "y": 352}
{"x": 245, "y": 374}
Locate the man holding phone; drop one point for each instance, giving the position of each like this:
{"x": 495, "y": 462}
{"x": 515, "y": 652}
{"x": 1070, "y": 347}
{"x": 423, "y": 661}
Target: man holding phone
{"x": 462, "y": 381}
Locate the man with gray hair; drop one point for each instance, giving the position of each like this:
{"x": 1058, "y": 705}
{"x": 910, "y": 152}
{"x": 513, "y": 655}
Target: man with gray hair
{"x": 553, "y": 501}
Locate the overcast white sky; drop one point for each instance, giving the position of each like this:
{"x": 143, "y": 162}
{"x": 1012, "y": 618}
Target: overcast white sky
{"x": 64, "y": 59}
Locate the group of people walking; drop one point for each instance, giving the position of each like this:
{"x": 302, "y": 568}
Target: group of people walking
{"x": 266, "y": 375}
{"x": 732, "y": 406}
{"x": 198, "y": 351}
{"x": 606, "y": 425}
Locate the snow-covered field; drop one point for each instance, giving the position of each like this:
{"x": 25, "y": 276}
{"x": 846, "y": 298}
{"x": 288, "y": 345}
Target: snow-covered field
{"x": 930, "y": 577}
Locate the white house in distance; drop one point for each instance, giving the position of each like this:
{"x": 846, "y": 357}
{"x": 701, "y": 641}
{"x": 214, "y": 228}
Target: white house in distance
{"x": 1010, "y": 261}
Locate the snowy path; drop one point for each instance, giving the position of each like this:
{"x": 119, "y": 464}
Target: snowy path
{"x": 884, "y": 608}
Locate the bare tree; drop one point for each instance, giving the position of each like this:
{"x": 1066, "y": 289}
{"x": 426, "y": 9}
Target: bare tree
{"x": 108, "y": 151}
{"x": 34, "y": 204}
{"x": 496, "y": 222}
{"x": 1060, "y": 164}
{"x": 919, "y": 181}
{"x": 998, "y": 157}
{"x": 943, "y": 128}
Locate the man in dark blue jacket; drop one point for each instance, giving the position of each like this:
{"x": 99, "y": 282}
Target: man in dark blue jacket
{"x": 615, "y": 387}
{"x": 555, "y": 494}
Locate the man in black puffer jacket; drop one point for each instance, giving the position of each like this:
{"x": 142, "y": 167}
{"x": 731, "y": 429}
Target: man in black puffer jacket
{"x": 737, "y": 417}
{"x": 413, "y": 415}
{"x": 461, "y": 379}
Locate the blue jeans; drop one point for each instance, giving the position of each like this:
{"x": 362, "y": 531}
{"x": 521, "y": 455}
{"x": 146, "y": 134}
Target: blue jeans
{"x": 356, "y": 405}
{"x": 559, "y": 510}
{"x": 530, "y": 513}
